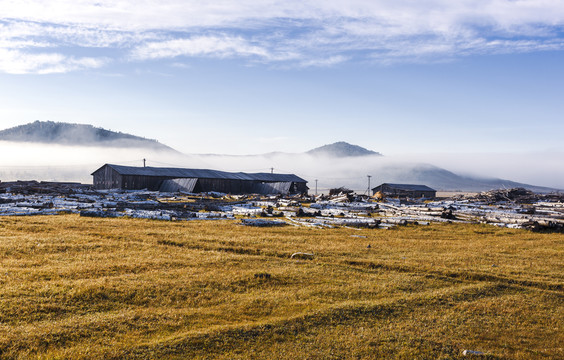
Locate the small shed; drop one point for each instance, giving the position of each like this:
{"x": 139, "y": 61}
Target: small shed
{"x": 405, "y": 190}
{"x": 112, "y": 176}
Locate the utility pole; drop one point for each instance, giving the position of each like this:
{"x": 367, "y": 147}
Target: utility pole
{"x": 315, "y": 187}
{"x": 144, "y": 163}
{"x": 368, "y": 191}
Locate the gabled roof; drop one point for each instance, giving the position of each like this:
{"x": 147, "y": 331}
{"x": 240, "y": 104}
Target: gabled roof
{"x": 406, "y": 187}
{"x": 201, "y": 174}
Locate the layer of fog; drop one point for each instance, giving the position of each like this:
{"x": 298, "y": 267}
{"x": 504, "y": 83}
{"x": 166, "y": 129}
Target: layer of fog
{"x": 20, "y": 161}
{"x": 42, "y": 162}
{"x": 539, "y": 168}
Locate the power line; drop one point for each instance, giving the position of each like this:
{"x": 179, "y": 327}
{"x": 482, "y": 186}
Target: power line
{"x": 162, "y": 163}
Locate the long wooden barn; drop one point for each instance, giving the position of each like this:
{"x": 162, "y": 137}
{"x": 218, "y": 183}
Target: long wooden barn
{"x": 112, "y": 176}
{"x": 405, "y": 190}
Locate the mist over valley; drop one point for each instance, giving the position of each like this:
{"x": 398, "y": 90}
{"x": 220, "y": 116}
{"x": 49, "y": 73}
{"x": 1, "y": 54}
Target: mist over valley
{"x": 49, "y": 151}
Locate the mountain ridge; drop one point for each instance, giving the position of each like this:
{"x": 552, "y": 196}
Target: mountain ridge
{"x": 339, "y": 149}
{"x": 444, "y": 180}
{"x": 342, "y": 149}
{"x": 61, "y": 133}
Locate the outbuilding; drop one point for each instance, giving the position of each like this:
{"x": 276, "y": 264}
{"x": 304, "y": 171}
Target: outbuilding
{"x": 121, "y": 177}
{"x": 405, "y": 190}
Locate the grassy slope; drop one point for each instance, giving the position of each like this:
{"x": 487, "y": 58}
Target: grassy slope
{"x": 125, "y": 288}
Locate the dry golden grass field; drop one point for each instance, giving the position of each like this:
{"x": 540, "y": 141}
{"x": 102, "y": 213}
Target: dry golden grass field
{"x": 88, "y": 288}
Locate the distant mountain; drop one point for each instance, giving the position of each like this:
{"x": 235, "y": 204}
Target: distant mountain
{"x": 341, "y": 149}
{"x": 444, "y": 180}
{"x": 50, "y": 132}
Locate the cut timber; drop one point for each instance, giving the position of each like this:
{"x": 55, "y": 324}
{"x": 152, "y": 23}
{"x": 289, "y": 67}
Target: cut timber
{"x": 302, "y": 255}
{"x": 262, "y": 223}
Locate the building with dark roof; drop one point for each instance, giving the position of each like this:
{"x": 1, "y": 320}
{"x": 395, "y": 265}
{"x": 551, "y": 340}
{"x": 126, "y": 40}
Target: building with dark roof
{"x": 112, "y": 176}
{"x": 405, "y": 190}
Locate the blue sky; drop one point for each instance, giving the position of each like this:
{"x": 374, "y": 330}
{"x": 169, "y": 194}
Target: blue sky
{"x": 243, "y": 77}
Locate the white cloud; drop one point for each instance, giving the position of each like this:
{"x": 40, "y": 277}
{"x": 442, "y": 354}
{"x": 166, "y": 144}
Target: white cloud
{"x": 408, "y": 15}
{"x": 294, "y": 32}
{"x": 324, "y": 62}
{"x": 47, "y": 35}
{"x": 16, "y": 62}
{"x": 216, "y": 46}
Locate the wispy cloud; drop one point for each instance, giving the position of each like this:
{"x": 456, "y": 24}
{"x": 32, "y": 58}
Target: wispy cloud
{"x": 215, "y": 46}
{"x": 324, "y": 62}
{"x": 289, "y": 33}
{"x": 16, "y": 62}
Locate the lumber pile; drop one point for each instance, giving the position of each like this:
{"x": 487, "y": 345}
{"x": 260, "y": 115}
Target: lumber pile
{"x": 43, "y": 187}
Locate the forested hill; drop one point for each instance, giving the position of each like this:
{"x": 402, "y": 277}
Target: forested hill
{"x": 50, "y": 132}
{"x": 341, "y": 149}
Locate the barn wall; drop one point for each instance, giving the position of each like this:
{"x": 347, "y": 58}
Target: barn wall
{"x": 230, "y": 186}
{"x": 227, "y": 186}
{"x": 177, "y": 185}
{"x": 299, "y": 188}
{"x": 140, "y": 182}
{"x": 391, "y": 191}
{"x": 107, "y": 178}
{"x": 426, "y": 194}
{"x": 419, "y": 194}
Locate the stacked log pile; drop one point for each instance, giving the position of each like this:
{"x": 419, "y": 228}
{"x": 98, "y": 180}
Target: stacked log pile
{"x": 514, "y": 195}
{"x": 514, "y": 208}
{"x": 320, "y": 221}
{"x": 43, "y": 187}
{"x": 401, "y": 215}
